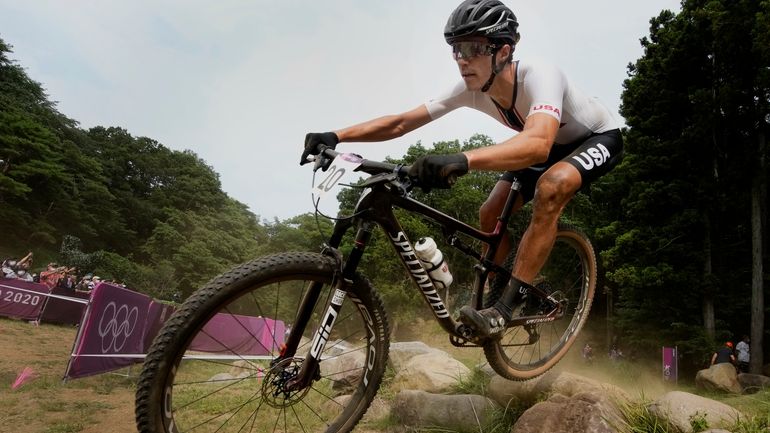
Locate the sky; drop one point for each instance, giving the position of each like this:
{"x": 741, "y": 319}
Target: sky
{"x": 240, "y": 83}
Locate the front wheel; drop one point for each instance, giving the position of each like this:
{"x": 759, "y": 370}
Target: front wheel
{"x": 215, "y": 366}
{"x": 569, "y": 275}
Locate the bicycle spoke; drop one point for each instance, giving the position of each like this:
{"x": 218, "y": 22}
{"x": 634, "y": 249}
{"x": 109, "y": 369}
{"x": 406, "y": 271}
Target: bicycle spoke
{"x": 262, "y": 393}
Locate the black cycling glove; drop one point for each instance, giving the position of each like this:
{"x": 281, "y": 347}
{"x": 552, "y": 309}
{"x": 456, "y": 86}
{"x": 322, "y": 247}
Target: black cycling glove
{"x": 439, "y": 171}
{"x": 314, "y": 141}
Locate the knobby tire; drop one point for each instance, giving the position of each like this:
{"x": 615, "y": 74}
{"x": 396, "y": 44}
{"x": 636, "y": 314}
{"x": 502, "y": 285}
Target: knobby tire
{"x": 571, "y": 270}
{"x": 177, "y": 390}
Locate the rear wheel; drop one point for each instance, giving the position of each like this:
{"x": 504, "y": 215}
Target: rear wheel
{"x": 569, "y": 275}
{"x": 214, "y": 366}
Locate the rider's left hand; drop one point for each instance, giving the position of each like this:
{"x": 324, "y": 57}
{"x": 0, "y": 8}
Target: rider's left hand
{"x": 439, "y": 171}
{"x": 315, "y": 142}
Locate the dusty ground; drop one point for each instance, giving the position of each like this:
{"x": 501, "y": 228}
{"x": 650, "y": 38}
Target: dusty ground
{"x": 105, "y": 403}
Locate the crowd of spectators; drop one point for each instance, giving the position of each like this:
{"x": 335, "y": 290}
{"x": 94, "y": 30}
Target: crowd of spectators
{"x": 53, "y": 276}
{"x": 738, "y": 355}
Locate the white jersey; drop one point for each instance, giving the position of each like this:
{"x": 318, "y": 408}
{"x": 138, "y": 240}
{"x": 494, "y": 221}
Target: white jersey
{"x": 539, "y": 88}
{"x": 743, "y": 351}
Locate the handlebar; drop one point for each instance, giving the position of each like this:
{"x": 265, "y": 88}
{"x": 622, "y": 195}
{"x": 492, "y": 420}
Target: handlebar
{"x": 401, "y": 171}
{"x": 367, "y": 166}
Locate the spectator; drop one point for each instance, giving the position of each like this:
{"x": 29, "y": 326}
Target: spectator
{"x": 26, "y": 262}
{"x": 9, "y": 268}
{"x": 588, "y": 354}
{"x": 742, "y": 349}
{"x": 18, "y": 269}
{"x": 725, "y": 354}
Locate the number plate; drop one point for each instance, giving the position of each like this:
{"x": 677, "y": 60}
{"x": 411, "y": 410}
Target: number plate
{"x": 341, "y": 168}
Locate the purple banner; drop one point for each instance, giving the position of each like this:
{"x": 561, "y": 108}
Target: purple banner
{"x": 670, "y": 364}
{"x": 64, "y": 309}
{"x": 157, "y": 313}
{"x": 242, "y": 335}
{"x": 21, "y": 299}
{"x": 113, "y": 325}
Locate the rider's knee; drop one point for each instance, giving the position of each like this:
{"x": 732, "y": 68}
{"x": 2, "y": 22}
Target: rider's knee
{"x": 555, "y": 189}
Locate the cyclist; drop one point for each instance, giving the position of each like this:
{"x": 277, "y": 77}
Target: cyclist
{"x": 565, "y": 140}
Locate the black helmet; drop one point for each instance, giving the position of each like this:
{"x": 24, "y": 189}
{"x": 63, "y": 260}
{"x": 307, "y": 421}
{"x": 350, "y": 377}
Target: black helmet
{"x": 489, "y": 18}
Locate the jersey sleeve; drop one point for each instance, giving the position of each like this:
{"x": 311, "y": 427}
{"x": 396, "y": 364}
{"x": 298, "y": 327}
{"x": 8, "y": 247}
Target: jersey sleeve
{"x": 546, "y": 85}
{"x": 457, "y": 97}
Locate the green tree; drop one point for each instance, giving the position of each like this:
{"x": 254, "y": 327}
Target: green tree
{"x": 677, "y": 260}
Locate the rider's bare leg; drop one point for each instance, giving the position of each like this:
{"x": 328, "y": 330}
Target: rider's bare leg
{"x": 490, "y": 212}
{"x": 554, "y": 190}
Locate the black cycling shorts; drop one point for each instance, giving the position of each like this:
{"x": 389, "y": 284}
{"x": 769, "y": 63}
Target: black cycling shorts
{"x": 593, "y": 157}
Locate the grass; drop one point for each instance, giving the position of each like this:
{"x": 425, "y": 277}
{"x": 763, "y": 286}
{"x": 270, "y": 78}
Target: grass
{"x": 474, "y": 383}
{"x": 64, "y": 428}
{"x": 639, "y": 419}
{"x": 45, "y": 403}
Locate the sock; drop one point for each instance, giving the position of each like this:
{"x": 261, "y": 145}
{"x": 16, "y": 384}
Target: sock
{"x": 511, "y": 296}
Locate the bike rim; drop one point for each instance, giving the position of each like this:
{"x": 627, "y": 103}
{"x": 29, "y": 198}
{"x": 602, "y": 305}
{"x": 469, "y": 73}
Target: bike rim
{"x": 567, "y": 273}
{"x": 223, "y": 380}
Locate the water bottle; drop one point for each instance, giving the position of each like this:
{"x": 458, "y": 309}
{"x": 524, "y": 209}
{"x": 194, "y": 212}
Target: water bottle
{"x": 434, "y": 262}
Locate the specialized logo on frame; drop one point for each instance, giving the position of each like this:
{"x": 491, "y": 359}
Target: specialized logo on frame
{"x": 116, "y": 326}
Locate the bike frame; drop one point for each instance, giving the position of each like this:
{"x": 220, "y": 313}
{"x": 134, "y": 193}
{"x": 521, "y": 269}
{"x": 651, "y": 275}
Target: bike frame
{"x": 375, "y": 207}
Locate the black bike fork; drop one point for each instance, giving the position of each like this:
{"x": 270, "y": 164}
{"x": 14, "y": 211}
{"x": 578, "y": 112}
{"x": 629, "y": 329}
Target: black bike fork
{"x": 310, "y": 366}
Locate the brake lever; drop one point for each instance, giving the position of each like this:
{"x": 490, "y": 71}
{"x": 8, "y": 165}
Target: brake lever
{"x": 321, "y": 161}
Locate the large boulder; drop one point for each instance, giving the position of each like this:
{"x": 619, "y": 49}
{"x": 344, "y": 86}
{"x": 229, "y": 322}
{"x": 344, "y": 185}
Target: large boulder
{"x": 433, "y": 372}
{"x": 401, "y": 352}
{"x": 345, "y": 370}
{"x": 678, "y": 409}
{"x": 502, "y": 390}
{"x": 585, "y": 412}
{"x": 719, "y": 377}
{"x": 243, "y": 369}
{"x": 448, "y": 412}
{"x": 752, "y": 383}
{"x": 378, "y": 409}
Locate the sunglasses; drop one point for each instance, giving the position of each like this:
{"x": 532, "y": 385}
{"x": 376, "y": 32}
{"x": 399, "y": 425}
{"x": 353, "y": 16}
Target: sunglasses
{"x": 469, "y": 49}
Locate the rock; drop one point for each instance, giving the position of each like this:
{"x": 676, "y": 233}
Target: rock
{"x": 719, "y": 377}
{"x": 345, "y": 370}
{"x": 752, "y": 383}
{"x": 585, "y": 412}
{"x": 715, "y": 430}
{"x": 400, "y": 353}
{"x": 336, "y": 348}
{"x": 243, "y": 368}
{"x": 766, "y": 370}
{"x": 222, "y": 377}
{"x": 568, "y": 384}
{"x": 678, "y": 408}
{"x": 433, "y": 372}
{"x": 449, "y": 412}
{"x": 378, "y": 409}
{"x": 485, "y": 368}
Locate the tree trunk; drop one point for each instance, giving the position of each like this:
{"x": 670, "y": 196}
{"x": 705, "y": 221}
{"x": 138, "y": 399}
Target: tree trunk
{"x": 757, "y": 284}
{"x": 709, "y": 324}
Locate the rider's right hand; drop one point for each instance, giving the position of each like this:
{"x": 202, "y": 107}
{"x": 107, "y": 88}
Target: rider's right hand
{"x": 315, "y": 141}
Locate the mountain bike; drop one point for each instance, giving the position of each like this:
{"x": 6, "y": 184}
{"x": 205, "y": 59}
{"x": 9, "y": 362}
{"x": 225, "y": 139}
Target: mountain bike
{"x": 324, "y": 356}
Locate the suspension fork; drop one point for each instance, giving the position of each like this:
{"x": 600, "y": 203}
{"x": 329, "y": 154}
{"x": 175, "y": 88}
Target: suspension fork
{"x": 342, "y": 282}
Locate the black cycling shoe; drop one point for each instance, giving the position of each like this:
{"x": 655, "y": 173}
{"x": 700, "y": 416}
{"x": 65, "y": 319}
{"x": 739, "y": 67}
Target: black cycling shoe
{"x": 489, "y": 322}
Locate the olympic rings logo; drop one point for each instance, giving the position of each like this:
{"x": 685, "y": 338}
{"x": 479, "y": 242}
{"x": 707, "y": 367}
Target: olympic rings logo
{"x": 118, "y": 328}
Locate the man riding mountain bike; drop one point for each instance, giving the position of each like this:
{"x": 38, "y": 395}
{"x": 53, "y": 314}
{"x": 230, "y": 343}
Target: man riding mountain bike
{"x": 565, "y": 140}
